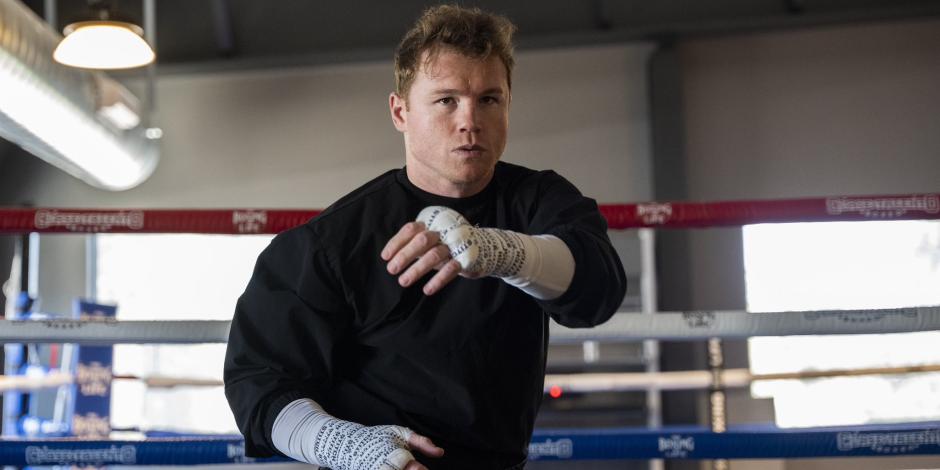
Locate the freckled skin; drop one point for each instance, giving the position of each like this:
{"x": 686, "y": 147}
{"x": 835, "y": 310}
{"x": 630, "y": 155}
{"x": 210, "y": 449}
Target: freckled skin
{"x": 455, "y": 121}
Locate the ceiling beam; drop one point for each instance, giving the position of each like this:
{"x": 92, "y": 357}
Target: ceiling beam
{"x": 224, "y": 33}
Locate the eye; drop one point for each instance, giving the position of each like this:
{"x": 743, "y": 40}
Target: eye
{"x": 446, "y": 100}
{"x": 489, "y": 100}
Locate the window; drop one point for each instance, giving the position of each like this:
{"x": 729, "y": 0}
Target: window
{"x": 173, "y": 277}
{"x": 845, "y": 265}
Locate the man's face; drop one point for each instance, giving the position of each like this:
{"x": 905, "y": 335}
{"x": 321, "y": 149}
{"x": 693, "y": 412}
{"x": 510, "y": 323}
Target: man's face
{"x": 455, "y": 120}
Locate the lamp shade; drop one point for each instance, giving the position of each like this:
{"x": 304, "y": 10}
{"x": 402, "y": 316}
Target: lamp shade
{"x": 104, "y": 45}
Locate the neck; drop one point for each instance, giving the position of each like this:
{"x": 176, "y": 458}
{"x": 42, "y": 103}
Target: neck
{"x": 442, "y": 187}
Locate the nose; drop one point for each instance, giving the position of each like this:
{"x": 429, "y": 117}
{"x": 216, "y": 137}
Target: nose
{"x": 467, "y": 117}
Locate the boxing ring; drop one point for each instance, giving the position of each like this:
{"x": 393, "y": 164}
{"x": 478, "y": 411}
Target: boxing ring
{"x": 719, "y": 441}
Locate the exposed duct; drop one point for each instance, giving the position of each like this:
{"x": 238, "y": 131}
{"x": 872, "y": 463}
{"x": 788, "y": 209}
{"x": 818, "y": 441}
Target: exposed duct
{"x": 81, "y": 121}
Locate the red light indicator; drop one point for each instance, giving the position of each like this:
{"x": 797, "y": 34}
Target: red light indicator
{"x": 554, "y": 391}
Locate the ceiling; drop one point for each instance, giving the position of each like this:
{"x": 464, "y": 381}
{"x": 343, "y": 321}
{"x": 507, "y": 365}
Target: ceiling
{"x": 197, "y": 35}
{"x": 218, "y": 35}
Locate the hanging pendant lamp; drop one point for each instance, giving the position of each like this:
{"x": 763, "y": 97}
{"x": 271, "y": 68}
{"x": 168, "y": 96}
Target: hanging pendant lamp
{"x": 103, "y": 44}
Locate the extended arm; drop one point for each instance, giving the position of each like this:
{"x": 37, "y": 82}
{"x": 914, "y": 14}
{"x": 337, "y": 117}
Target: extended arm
{"x": 569, "y": 265}
{"x": 540, "y": 265}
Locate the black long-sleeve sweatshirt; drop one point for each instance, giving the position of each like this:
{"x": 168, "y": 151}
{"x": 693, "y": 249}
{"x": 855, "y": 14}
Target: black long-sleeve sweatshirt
{"x": 321, "y": 318}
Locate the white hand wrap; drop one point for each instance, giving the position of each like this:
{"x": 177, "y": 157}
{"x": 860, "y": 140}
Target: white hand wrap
{"x": 540, "y": 265}
{"x": 304, "y": 432}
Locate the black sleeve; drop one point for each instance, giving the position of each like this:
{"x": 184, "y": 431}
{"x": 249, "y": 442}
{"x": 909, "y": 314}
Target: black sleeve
{"x": 599, "y": 282}
{"x": 284, "y": 332}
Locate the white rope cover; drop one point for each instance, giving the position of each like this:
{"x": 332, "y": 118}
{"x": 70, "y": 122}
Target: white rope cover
{"x": 700, "y": 325}
{"x": 113, "y": 331}
{"x": 696, "y": 325}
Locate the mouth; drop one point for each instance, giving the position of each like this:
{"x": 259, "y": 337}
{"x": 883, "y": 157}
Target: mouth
{"x": 469, "y": 150}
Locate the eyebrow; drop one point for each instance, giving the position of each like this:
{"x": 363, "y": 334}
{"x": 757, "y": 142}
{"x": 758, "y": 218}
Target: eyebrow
{"x": 454, "y": 91}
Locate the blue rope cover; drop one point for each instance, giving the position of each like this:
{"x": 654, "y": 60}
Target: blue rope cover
{"x": 742, "y": 442}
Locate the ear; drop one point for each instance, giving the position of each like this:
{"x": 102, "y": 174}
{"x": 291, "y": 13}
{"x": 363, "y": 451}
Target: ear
{"x": 398, "y": 108}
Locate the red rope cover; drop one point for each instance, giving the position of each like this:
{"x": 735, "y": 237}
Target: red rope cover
{"x": 619, "y": 216}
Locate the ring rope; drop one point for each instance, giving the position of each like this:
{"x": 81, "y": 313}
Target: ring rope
{"x": 738, "y": 442}
{"x": 104, "y": 332}
{"x": 706, "y": 324}
{"x": 574, "y": 383}
{"x": 624, "y": 326}
{"x": 619, "y": 216}
{"x": 703, "y": 379}
{"x": 25, "y": 383}
{"x": 54, "y": 379}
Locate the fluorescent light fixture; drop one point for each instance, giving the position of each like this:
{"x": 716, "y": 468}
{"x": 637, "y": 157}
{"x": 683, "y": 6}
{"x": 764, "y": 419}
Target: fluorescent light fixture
{"x": 78, "y": 120}
{"x": 103, "y": 45}
{"x": 65, "y": 135}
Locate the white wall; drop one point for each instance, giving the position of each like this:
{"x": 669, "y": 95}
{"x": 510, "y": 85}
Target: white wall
{"x": 304, "y": 137}
{"x": 849, "y": 110}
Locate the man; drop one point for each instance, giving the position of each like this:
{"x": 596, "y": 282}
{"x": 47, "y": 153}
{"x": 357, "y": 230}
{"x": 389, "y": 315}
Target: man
{"x": 406, "y": 327}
